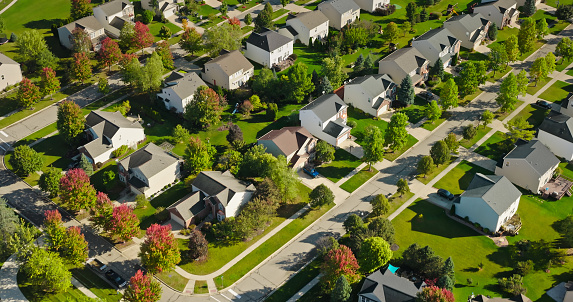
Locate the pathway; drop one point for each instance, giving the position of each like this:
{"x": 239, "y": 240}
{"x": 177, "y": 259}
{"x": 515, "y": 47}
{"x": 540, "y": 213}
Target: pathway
{"x": 8, "y": 6}
{"x": 9, "y": 291}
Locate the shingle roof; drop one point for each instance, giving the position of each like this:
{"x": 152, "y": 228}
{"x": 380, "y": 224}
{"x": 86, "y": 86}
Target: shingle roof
{"x": 268, "y": 40}
{"x": 6, "y": 60}
{"x": 341, "y": 6}
{"x": 502, "y": 5}
{"x": 150, "y": 160}
{"x": 439, "y": 36}
{"x": 89, "y": 22}
{"x": 221, "y": 185}
{"x": 568, "y": 101}
{"x": 108, "y": 123}
{"x": 559, "y": 125}
{"x": 326, "y": 106}
{"x": 114, "y": 7}
{"x": 335, "y": 128}
{"x": 189, "y": 205}
{"x": 186, "y": 85}
{"x": 469, "y": 22}
{"x": 374, "y": 84}
{"x": 232, "y": 62}
{"x": 288, "y": 139}
{"x": 536, "y": 154}
{"x": 407, "y": 58}
{"x": 311, "y": 19}
{"x": 384, "y": 286}
{"x": 497, "y": 191}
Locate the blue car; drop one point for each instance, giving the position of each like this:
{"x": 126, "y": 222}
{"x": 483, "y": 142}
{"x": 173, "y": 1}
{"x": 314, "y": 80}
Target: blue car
{"x": 311, "y": 172}
{"x": 446, "y": 194}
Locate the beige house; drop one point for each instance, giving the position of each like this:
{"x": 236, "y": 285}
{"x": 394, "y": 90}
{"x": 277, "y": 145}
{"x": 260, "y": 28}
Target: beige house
{"x": 407, "y": 61}
{"x": 372, "y": 94}
{"x": 10, "y": 72}
{"x": 166, "y": 8}
{"x": 326, "y": 119}
{"x": 500, "y": 12}
{"x": 438, "y": 43}
{"x": 470, "y": 29}
{"x": 371, "y": 5}
{"x": 294, "y": 143}
{"x": 306, "y": 27}
{"x": 90, "y": 25}
{"x": 113, "y": 15}
{"x": 230, "y": 70}
{"x": 340, "y": 12}
{"x": 179, "y": 89}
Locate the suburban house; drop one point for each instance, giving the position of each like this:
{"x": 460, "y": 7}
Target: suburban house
{"x": 294, "y": 143}
{"x": 268, "y": 48}
{"x": 10, "y": 72}
{"x": 500, "y": 12}
{"x": 179, "y": 89}
{"x": 529, "y": 165}
{"x": 340, "y": 12}
{"x": 438, "y": 43}
{"x": 214, "y": 194}
{"x": 556, "y": 132}
{"x": 148, "y": 170}
{"x": 371, "y": 5}
{"x": 166, "y": 8}
{"x": 482, "y": 298}
{"x": 326, "y": 118}
{"x": 562, "y": 292}
{"x": 90, "y": 25}
{"x": 113, "y": 15}
{"x": 229, "y": 70}
{"x": 306, "y": 27}
{"x": 384, "y": 286}
{"x": 107, "y": 131}
{"x": 567, "y": 105}
{"x": 470, "y": 29}
{"x": 489, "y": 200}
{"x": 407, "y": 61}
{"x": 372, "y": 94}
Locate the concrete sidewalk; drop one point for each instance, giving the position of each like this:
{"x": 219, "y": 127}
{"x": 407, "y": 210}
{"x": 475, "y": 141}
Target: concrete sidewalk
{"x": 9, "y": 291}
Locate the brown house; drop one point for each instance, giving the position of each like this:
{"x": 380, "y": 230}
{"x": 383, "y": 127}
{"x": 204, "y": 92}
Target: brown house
{"x": 294, "y": 143}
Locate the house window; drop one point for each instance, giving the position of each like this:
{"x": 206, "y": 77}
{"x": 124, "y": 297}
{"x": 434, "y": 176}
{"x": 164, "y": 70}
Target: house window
{"x": 2, "y": 77}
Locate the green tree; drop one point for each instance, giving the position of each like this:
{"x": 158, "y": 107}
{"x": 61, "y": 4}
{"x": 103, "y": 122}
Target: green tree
{"x": 124, "y": 108}
{"x": 151, "y": 75}
{"x": 550, "y": 62}
{"x": 437, "y": 71}
{"x": 180, "y": 134}
{"x": 425, "y": 165}
{"x": 341, "y": 291}
{"x": 28, "y": 93}
{"x": 50, "y": 181}
{"x": 391, "y": 32}
{"x": 396, "y": 135}
{"x": 522, "y": 82}
{"x": 529, "y": 8}
{"x": 469, "y": 132}
{"x": 225, "y": 36}
{"x": 49, "y": 82}
{"x": 527, "y": 35}
{"x": 449, "y": 269}
{"x": 541, "y": 27}
{"x": 512, "y": 285}
{"x": 481, "y": 70}
{"x": 299, "y": 83}
{"x": 205, "y": 109}
{"x": 492, "y": 32}
{"x": 406, "y": 27}
{"x": 272, "y": 112}
{"x": 539, "y": 69}
{"x": 352, "y": 223}
{"x": 452, "y": 142}
{"x": 126, "y": 35}
{"x": 406, "y": 92}
{"x": 449, "y": 95}
{"x": 403, "y": 187}
{"x": 373, "y": 146}
{"x": 440, "y": 153}
{"x": 81, "y": 67}
{"x": 264, "y": 19}
{"x": 248, "y": 19}
{"x": 324, "y": 152}
{"x": 445, "y": 282}
{"x": 333, "y": 69}
{"x": 487, "y": 117}
{"x": 71, "y": 121}
{"x": 468, "y": 79}
{"x": 508, "y": 92}
{"x": 355, "y": 36}
{"x": 80, "y": 9}
{"x": 565, "y": 49}
{"x": 411, "y": 10}
{"x": 47, "y": 271}
{"x": 8, "y": 225}
{"x": 162, "y": 49}
{"x": 165, "y": 32}
{"x": 284, "y": 178}
{"x": 380, "y": 205}
{"x": 325, "y": 87}
{"x": 321, "y": 195}
{"x": 497, "y": 58}
{"x": 518, "y": 129}
{"x": 374, "y": 253}
{"x": 382, "y": 227}
{"x": 46, "y": 59}
{"x": 26, "y": 160}
{"x": 86, "y": 165}
{"x": 191, "y": 41}
{"x": 433, "y": 111}
{"x": 198, "y": 155}
{"x": 102, "y": 85}
{"x": 30, "y": 44}
{"x": 564, "y": 12}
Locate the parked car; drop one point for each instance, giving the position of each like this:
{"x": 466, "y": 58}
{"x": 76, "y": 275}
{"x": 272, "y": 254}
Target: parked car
{"x": 114, "y": 277}
{"x": 310, "y": 171}
{"x": 446, "y": 194}
{"x": 427, "y": 95}
{"x": 96, "y": 264}
{"x": 544, "y": 104}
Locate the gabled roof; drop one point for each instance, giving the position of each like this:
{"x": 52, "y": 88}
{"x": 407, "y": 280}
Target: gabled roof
{"x": 439, "y": 37}
{"x": 189, "y": 205}
{"x": 105, "y": 123}
{"x": 89, "y": 23}
{"x": 567, "y": 102}
{"x": 310, "y": 19}
{"x": 221, "y": 185}
{"x": 501, "y": 5}
{"x": 497, "y": 191}
{"x": 373, "y": 85}
{"x": 341, "y": 6}
{"x": 6, "y": 60}
{"x": 326, "y": 106}
{"x": 185, "y": 84}
{"x": 407, "y": 59}
{"x": 536, "y": 155}
{"x": 288, "y": 139}
{"x": 269, "y": 40}
{"x": 114, "y": 7}
{"x": 469, "y": 22}
{"x": 231, "y": 62}
{"x": 558, "y": 124}
{"x": 150, "y": 160}
{"x": 384, "y": 286}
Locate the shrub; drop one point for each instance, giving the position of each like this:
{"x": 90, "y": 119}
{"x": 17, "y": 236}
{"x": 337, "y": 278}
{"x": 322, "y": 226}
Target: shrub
{"x": 469, "y": 132}
{"x": 351, "y": 124}
{"x": 387, "y": 11}
{"x": 119, "y": 151}
{"x": 435, "y": 16}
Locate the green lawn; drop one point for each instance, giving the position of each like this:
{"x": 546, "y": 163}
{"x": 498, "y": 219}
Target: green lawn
{"x": 570, "y": 71}
{"x": 201, "y": 287}
{"x": 533, "y": 114}
{"x": 458, "y": 179}
{"x": 498, "y": 75}
{"x": 554, "y": 27}
{"x": 281, "y": 22}
{"x": 279, "y": 13}
{"x": 248, "y": 5}
{"x": 95, "y": 283}
{"x": 425, "y": 179}
{"x": 358, "y": 179}
{"x": 297, "y": 282}
{"x": 173, "y": 279}
{"x": 534, "y": 87}
{"x": 155, "y": 27}
{"x": 467, "y": 54}
{"x": 212, "y": 22}
{"x": 557, "y": 92}
{"x": 397, "y": 201}
{"x": 415, "y": 112}
{"x": 430, "y": 126}
{"x": 246, "y": 29}
{"x": 37, "y": 135}
{"x": 342, "y": 164}
{"x": 502, "y": 115}
{"x": 493, "y": 146}
{"x": 146, "y": 216}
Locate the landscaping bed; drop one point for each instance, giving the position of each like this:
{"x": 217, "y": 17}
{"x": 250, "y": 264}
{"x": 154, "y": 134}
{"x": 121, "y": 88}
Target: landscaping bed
{"x": 458, "y": 179}
{"x": 342, "y": 164}
{"x": 358, "y": 179}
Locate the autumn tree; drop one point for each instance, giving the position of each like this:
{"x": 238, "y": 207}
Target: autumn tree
{"x": 449, "y": 95}
{"x": 123, "y": 223}
{"x": 198, "y": 155}
{"x": 49, "y": 181}
{"x": 70, "y": 122}
{"x": 81, "y": 67}
{"x": 142, "y": 288}
{"x": 338, "y": 262}
{"x": 80, "y": 9}
{"x": 425, "y": 165}
{"x": 76, "y": 191}
{"x": 81, "y": 41}
{"x": 109, "y": 53}
{"x": 396, "y": 135}
{"x": 28, "y": 93}
{"x": 527, "y": 35}
{"x": 198, "y": 246}
{"x": 374, "y": 253}
{"x": 373, "y": 146}
{"x": 49, "y": 83}
{"x": 159, "y": 251}
{"x": 55, "y": 230}
{"x": 142, "y": 37}
{"x": 101, "y": 212}
{"x": 75, "y": 248}
{"x": 434, "y": 294}
{"x": 47, "y": 270}
{"x": 26, "y": 160}
{"x": 205, "y": 109}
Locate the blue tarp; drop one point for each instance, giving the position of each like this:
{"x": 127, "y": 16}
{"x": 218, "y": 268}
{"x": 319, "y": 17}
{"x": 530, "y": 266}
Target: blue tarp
{"x": 392, "y": 268}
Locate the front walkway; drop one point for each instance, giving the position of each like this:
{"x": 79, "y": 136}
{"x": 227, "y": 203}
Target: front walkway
{"x": 9, "y": 291}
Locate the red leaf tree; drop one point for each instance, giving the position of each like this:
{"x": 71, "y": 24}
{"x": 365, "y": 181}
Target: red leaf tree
{"x": 435, "y": 294}
{"x": 49, "y": 83}
{"x": 81, "y": 68}
{"x": 76, "y": 191}
{"x": 123, "y": 223}
{"x": 109, "y": 53}
{"x": 75, "y": 248}
{"x": 28, "y": 93}
{"x": 102, "y": 211}
{"x": 339, "y": 261}
{"x": 142, "y": 37}
{"x": 160, "y": 250}
{"x": 55, "y": 230}
{"x": 198, "y": 246}
{"x": 234, "y": 21}
{"x": 142, "y": 289}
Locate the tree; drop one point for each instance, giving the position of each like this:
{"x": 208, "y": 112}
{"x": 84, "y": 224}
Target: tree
{"x": 160, "y": 251}
{"x": 449, "y": 269}
{"x": 86, "y": 165}
{"x": 223, "y": 8}
{"x": 338, "y": 262}
{"x": 469, "y": 132}
{"x": 272, "y": 112}
{"x": 437, "y": 71}
{"x": 497, "y": 57}
{"x": 49, "y": 181}
{"x": 149, "y": 77}
{"x": 81, "y": 67}
{"x": 391, "y": 32}
{"x": 49, "y": 83}
{"x": 382, "y": 227}
{"x": 433, "y": 111}
{"x": 481, "y": 70}
{"x": 55, "y": 230}
{"x": 80, "y": 9}
{"x": 527, "y": 35}
{"x": 550, "y": 62}
{"x": 70, "y": 122}
{"x": 165, "y": 54}
{"x": 564, "y": 12}
{"x": 198, "y": 155}
{"x": 76, "y": 191}
{"x": 406, "y": 27}
{"x": 123, "y": 223}
{"x": 142, "y": 288}
{"x": 529, "y": 8}
{"x": 180, "y": 134}
{"x": 324, "y": 152}
{"x": 225, "y": 36}
{"x": 341, "y": 291}
{"x": 102, "y": 85}
{"x": 256, "y": 102}
{"x": 434, "y": 294}
{"x": 374, "y": 253}
{"x": 411, "y": 10}
{"x": 468, "y": 79}
{"x": 26, "y": 160}
{"x": 235, "y": 134}
{"x": 30, "y": 44}
{"x": 264, "y": 19}
{"x": 248, "y": 19}
{"x": 396, "y": 134}
{"x": 205, "y": 109}
{"x": 8, "y": 225}
{"x": 373, "y": 145}
{"x": 406, "y": 92}
{"x": 445, "y": 282}
{"x": 508, "y": 93}
{"x": 285, "y": 179}
{"x": 425, "y": 165}
{"x": 492, "y": 32}
{"x": 539, "y": 69}
{"x": 449, "y": 95}
{"x": 165, "y": 32}
{"x": 81, "y": 41}
{"x": 380, "y": 205}
{"x": 440, "y": 153}
{"x": 518, "y": 129}
{"x": 352, "y": 223}
{"x": 541, "y": 27}
{"x": 46, "y": 59}
{"x": 198, "y": 246}
{"x": 403, "y": 187}
{"x": 512, "y": 285}
{"x": 565, "y": 48}
{"x": 142, "y": 38}
{"x": 47, "y": 271}
{"x": 147, "y": 16}
{"x": 126, "y": 36}
{"x": 321, "y": 195}
{"x": 522, "y": 82}
{"x": 452, "y": 142}
{"x": 75, "y": 248}
{"x": 512, "y": 48}
{"x": 28, "y": 93}
{"x": 424, "y": 15}
{"x": 191, "y": 41}
{"x": 299, "y": 83}
{"x": 101, "y": 212}
{"x": 487, "y": 117}
{"x": 333, "y": 69}
{"x": 109, "y": 52}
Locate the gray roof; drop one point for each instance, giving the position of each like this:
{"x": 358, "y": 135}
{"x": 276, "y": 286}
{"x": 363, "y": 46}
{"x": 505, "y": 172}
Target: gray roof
{"x": 439, "y": 37}
{"x": 150, "y": 160}
{"x": 114, "y": 7}
{"x": 268, "y": 40}
{"x": 105, "y": 123}
{"x": 407, "y": 58}
{"x": 98, "y": 146}
{"x": 470, "y": 23}
{"x": 341, "y": 6}
{"x": 536, "y": 154}
{"x": 326, "y": 106}
{"x": 221, "y": 185}
{"x": 89, "y": 23}
{"x": 6, "y": 60}
{"x": 566, "y": 102}
{"x": 186, "y": 85}
{"x": 374, "y": 84}
{"x": 311, "y": 19}
{"x": 335, "y": 128}
{"x": 189, "y": 205}
{"x": 502, "y": 5}
{"x": 497, "y": 191}
{"x": 559, "y": 125}
{"x": 232, "y": 62}
{"x": 384, "y": 286}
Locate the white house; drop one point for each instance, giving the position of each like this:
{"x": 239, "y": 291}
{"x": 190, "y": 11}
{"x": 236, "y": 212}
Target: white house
{"x": 230, "y": 70}
{"x": 529, "y": 165}
{"x": 371, "y": 5}
{"x": 167, "y": 8}
{"x": 90, "y": 25}
{"x": 326, "y": 119}
{"x": 179, "y": 89}
{"x": 294, "y": 143}
{"x": 305, "y": 27}
{"x": 556, "y": 132}
{"x": 148, "y": 170}
{"x": 268, "y": 48}
{"x": 489, "y": 200}
{"x": 567, "y": 105}
{"x": 113, "y": 16}
{"x": 501, "y": 12}
{"x": 470, "y": 29}
{"x": 372, "y": 94}
{"x": 407, "y": 61}
{"x": 108, "y": 131}
{"x": 438, "y": 43}
{"x": 10, "y": 72}
{"x": 340, "y": 12}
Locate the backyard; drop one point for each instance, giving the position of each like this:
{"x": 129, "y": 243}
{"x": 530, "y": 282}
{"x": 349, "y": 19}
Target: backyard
{"x": 533, "y": 114}
{"x": 458, "y": 179}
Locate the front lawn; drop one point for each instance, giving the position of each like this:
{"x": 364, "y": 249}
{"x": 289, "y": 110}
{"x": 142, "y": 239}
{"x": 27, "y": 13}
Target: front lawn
{"x": 173, "y": 279}
{"x": 570, "y": 71}
{"x": 358, "y": 179}
{"x": 296, "y": 282}
{"x": 557, "y": 92}
{"x": 342, "y": 164}
{"x": 425, "y": 179}
{"x": 147, "y": 216}
{"x": 534, "y": 87}
{"x": 415, "y": 112}
{"x": 458, "y": 179}
{"x": 95, "y": 283}
{"x": 492, "y": 77}
{"x": 248, "y": 5}
{"x": 430, "y": 126}
{"x": 279, "y": 13}
{"x": 533, "y": 114}
{"x": 481, "y": 132}
{"x": 155, "y": 27}
{"x": 493, "y": 147}
{"x": 502, "y": 115}
{"x": 391, "y": 156}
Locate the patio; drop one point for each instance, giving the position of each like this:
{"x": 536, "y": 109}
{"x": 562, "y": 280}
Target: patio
{"x": 557, "y": 187}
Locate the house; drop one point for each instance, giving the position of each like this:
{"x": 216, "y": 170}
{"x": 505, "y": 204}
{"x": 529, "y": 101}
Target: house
{"x": 567, "y": 105}
{"x": 556, "y": 132}
{"x": 10, "y": 72}
{"x": 371, "y": 5}
{"x": 268, "y": 48}
{"x": 438, "y": 43}
{"x": 340, "y": 12}
{"x": 482, "y": 298}
{"x": 470, "y": 29}
{"x": 214, "y": 194}
{"x": 179, "y": 89}
{"x": 407, "y": 61}
{"x": 90, "y": 25}
{"x": 372, "y": 94}
{"x": 501, "y": 12}
{"x": 107, "y": 131}
{"x": 306, "y": 27}
{"x": 294, "y": 143}
{"x": 529, "y": 165}
{"x": 562, "y": 292}
{"x": 384, "y": 286}
{"x": 148, "y": 170}
{"x": 489, "y": 200}
{"x": 230, "y": 70}
{"x": 165, "y": 8}
{"x": 326, "y": 118}
{"x": 113, "y": 15}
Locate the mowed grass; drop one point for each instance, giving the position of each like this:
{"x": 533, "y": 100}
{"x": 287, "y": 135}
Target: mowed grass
{"x": 502, "y": 115}
{"x": 425, "y": 179}
{"x": 296, "y": 282}
{"x": 533, "y": 114}
{"x": 342, "y": 164}
{"x": 155, "y": 27}
{"x": 481, "y": 132}
{"x": 147, "y": 215}
{"x": 358, "y": 179}
{"x": 493, "y": 146}
{"x": 534, "y": 86}
{"x": 173, "y": 279}
{"x": 557, "y": 92}
{"x": 458, "y": 179}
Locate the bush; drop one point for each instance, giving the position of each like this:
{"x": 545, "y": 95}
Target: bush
{"x": 147, "y": 17}
{"x": 385, "y": 11}
{"x": 351, "y": 124}
{"x": 435, "y": 16}
{"x": 524, "y": 267}
{"x": 469, "y": 132}
{"x": 13, "y": 37}
{"x": 119, "y": 151}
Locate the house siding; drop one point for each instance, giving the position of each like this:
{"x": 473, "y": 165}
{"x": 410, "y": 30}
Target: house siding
{"x": 10, "y": 74}
{"x": 336, "y": 19}
{"x": 558, "y": 146}
{"x": 305, "y": 34}
{"x": 371, "y": 5}
{"x": 477, "y": 210}
{"x": 314, "y": 125}
{"x": 354, "y": 95}
{"x": 520, "y": 172}
{"x": 460, "y": 33}
{"x": 236, "y": 203}
{"x": 172, "y": 100}
{"x": 266, "y": 58}
{"x": 163, "y": 178}
{"x": 214, "y": 75}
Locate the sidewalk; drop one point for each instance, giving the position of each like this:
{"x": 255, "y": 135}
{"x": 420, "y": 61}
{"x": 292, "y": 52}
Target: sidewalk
{"x": 9, "y": 291}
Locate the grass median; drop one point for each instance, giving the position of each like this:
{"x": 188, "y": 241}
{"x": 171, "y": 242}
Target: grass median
{"x": 358, "y": 179}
